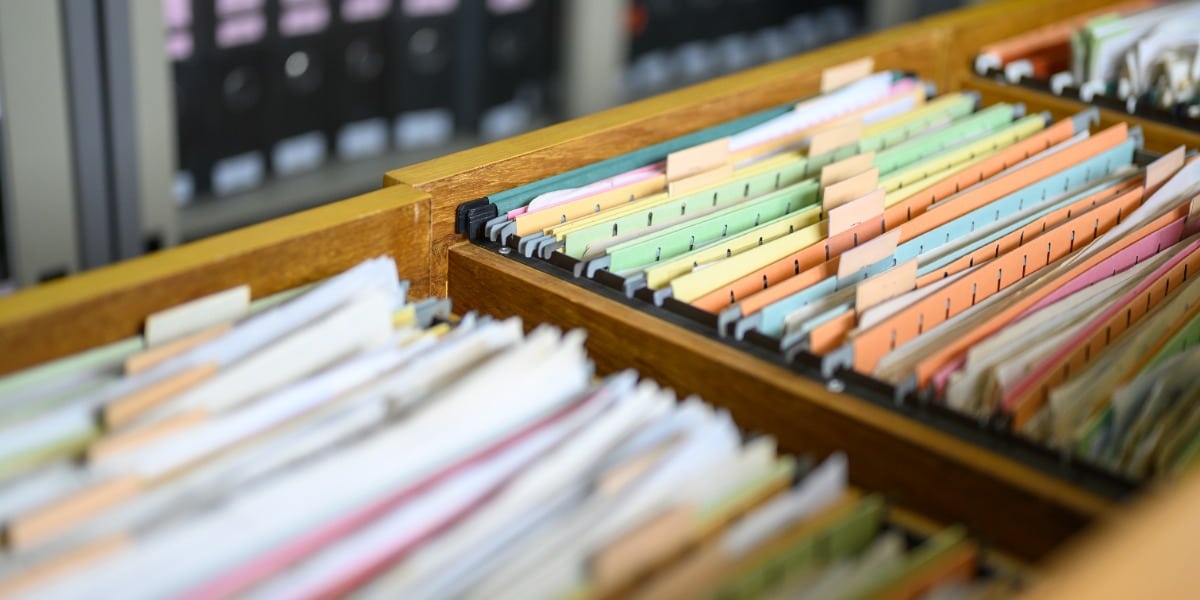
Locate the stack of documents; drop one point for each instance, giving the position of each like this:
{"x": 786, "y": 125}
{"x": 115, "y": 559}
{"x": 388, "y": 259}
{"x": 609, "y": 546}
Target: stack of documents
{"x": 1141, "y": 52}
{"x": 1004, "y": 264}
{"x": 339, "y": 440}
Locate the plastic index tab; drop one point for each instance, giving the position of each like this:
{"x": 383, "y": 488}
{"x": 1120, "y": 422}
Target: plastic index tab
{"x": 698, "y": 159}
{"x": 846, "y": 168}
{"x": 838, "y": 136}
{"x": 700, "y": 180}
{"x": 885, "y": 286}
{"x": 868, "y": 253}
{"x": 841, "y": 75}
{"x": 855, "y": 212}
{"x": 849, "y": 189}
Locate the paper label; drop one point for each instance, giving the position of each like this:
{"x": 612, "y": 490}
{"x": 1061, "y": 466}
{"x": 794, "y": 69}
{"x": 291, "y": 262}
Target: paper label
{"x": 1163, "y": 168}
{"x": 699, "y": 181}
{"x": 832, "y": 138}
{"x": 855, "y": 187}
{"x": 846, "y": 73}
{"x": 856, "y": 212}
{"x": 697, "y": 159}
{"x": 868, "y": 253}
{"x": 845, "y": 169}
{"x": 887, "y": 285}
{"x": 197, "y": 315}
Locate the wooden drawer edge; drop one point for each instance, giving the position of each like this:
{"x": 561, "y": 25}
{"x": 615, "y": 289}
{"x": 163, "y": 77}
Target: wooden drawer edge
{"x": 107, "y": 304}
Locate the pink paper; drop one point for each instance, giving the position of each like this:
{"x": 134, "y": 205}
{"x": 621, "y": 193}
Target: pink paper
{"x": 372, "y": 566}
{"x": 942, "y": 377}
{"x": 1163, "y": 238}
{"x": 1011, "y": 395}
{"x": 551, "y": 199}
{"x": 1192, "y": 228}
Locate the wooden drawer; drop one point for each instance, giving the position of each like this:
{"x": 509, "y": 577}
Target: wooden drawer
{"x": 911, "y": 457}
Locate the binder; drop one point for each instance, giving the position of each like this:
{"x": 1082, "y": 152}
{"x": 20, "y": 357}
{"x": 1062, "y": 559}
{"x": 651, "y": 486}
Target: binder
{"x": 360, "y": 48}
{"x": 189, "y": 41}
{"x": 653, "y": 31}
{"x": 428, "y": 45}
{"x": 693, "y": 58}
{"x": 513, "y": 53}
{"x": 4, "y": 264}
{"x": 237, "y": 94}
{"x": 675, "y": 43}
{"x": 301, "y": 82}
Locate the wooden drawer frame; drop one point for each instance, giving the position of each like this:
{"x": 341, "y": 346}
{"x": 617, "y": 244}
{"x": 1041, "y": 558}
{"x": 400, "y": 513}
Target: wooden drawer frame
{"x": 93, "y": 308}
{"x": 412, "y": 218}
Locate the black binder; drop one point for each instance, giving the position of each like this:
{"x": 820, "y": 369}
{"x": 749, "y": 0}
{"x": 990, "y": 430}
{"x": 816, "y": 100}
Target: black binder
{"x": 424, "y": 92}
{"x": 300, "y": 75}
{"x": 514, "y": 62}
{"x": 235, "y": 97}
{"x": 359, "y": 64}
{"x": 191, "y": 44}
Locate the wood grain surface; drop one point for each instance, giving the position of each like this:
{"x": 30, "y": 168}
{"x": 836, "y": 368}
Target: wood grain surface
{"x": 1148, "y": 551}
{"x": 107, "y": 304}
{"x": 1015, "y": 507}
